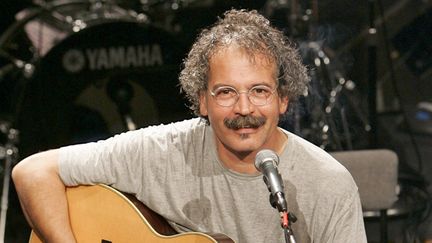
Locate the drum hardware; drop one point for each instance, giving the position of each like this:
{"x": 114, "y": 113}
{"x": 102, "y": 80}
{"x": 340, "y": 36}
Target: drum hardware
{"x": 76, "y": 50}
{"x": 329, "y": 114}
{"x": 62, "y": 17}
{"x": 339, "y": 86}
{"x": 329, "y": 120}
{"x": 8, "y": 153}
{"x": 292, "y": 16}
{"x": 168, "y": 14}
{"x": 14, "y": 64}
{"x": 167, "y": 5}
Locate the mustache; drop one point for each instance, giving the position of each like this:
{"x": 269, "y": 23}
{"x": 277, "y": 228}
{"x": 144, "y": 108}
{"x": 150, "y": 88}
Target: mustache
{"x": 244, "y": 121}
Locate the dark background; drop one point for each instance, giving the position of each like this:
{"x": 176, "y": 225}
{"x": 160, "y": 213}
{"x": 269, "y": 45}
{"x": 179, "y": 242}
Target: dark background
{"x": 391, "y": 88}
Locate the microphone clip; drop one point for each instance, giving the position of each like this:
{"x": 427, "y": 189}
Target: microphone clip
{"x": 277, "y": 199}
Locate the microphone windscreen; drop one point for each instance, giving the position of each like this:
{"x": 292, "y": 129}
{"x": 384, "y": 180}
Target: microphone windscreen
{"x": 266, "y": 155}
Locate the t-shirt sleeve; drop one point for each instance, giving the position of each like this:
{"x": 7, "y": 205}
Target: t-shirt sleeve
{"x": 111, "y": 162}
{"x": 349, "y": 225}
{"x": 135, "y": 161}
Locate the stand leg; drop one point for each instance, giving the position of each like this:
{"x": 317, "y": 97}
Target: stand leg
{"x": 383, "y": 226}
{"x": 5, "y": 193}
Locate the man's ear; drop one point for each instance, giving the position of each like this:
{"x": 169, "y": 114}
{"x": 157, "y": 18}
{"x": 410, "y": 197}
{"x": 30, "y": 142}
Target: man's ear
{"x": 283, "y": 104}
{"x": 203, "y": 103}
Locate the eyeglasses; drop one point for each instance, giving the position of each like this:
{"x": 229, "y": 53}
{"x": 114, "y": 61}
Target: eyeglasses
{"x": 258, "y": 95}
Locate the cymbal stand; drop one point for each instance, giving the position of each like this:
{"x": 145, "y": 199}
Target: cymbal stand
{"x": 10, "y": 154}
{"x": 332, "y": 91}
{"x": 320, "y": 131}
{"x": 333, "y": 96}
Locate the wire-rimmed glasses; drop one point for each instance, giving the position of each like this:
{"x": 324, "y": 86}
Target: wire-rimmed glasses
{"x": 228, "y": 96}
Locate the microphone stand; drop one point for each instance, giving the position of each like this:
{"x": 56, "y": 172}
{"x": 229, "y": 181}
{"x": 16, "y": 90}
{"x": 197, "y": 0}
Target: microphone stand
{"x": 266, "y": 161}
{"x": 278, "y": 201}
{"x": 289, "y": 236}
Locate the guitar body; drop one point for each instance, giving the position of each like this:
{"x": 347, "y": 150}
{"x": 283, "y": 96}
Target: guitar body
{"x": 102, "y": 214}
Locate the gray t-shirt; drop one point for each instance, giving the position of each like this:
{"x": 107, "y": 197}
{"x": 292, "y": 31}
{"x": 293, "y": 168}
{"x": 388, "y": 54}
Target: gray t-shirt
{"x": 174, "y": 170}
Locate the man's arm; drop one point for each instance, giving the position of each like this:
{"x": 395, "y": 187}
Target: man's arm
{"x": 42, "y": 196}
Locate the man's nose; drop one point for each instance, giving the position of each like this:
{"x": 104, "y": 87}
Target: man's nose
{"x": 243, "y": 105}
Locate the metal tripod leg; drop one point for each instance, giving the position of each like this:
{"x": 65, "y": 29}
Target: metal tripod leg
{"x": 5, "y": 195}
{"x": 9, "y": 160}
{"x": 10, "y": 155}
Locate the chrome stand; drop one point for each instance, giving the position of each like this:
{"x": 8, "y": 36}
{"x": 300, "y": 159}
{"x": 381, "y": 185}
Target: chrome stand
{"x": 10, "y": 154}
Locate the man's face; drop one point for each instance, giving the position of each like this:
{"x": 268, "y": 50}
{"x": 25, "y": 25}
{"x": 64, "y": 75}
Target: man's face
{"x": 232, "y": 67}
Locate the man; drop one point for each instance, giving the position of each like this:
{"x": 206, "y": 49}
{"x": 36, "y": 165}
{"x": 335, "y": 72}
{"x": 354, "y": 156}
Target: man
{"x": 199, "y": 174}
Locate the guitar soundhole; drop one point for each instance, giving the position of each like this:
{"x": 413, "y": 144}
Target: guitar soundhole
{"x": 105, "y": 241}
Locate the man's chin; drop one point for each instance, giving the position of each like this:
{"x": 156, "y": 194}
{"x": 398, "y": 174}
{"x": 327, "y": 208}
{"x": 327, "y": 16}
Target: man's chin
{"x": 244, "y": 146}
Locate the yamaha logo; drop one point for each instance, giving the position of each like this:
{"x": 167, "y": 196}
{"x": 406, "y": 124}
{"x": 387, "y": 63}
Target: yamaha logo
{"x": 96, "y": 59}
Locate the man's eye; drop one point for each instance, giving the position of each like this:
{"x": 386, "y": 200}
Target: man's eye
{"x": 225, "y": 92}
{"x": 260, "y": 91}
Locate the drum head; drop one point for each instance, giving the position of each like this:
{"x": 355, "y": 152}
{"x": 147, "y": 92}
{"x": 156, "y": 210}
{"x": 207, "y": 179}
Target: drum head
{"x": 84, "y": 86}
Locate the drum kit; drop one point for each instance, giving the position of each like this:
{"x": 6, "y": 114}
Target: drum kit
{"x": 80, "y": 70}
{"x": 83, "y": 70}
{"x": 332, "y": 114}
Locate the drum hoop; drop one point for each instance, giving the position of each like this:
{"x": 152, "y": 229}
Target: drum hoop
{"x": 34, "y": 12}
{"x": 47, "y": 8}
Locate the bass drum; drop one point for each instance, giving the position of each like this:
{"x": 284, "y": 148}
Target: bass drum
{"x": 87, "y": 68}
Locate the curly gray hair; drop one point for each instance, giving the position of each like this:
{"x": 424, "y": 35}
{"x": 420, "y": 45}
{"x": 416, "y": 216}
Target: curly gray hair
{"x": 252, "y": 32}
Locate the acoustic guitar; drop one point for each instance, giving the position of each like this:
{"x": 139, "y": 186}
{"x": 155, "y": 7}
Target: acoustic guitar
{"x": 101, "y": 214}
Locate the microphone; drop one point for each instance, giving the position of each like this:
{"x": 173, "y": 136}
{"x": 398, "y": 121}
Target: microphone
{"x": 266, "y": 162}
